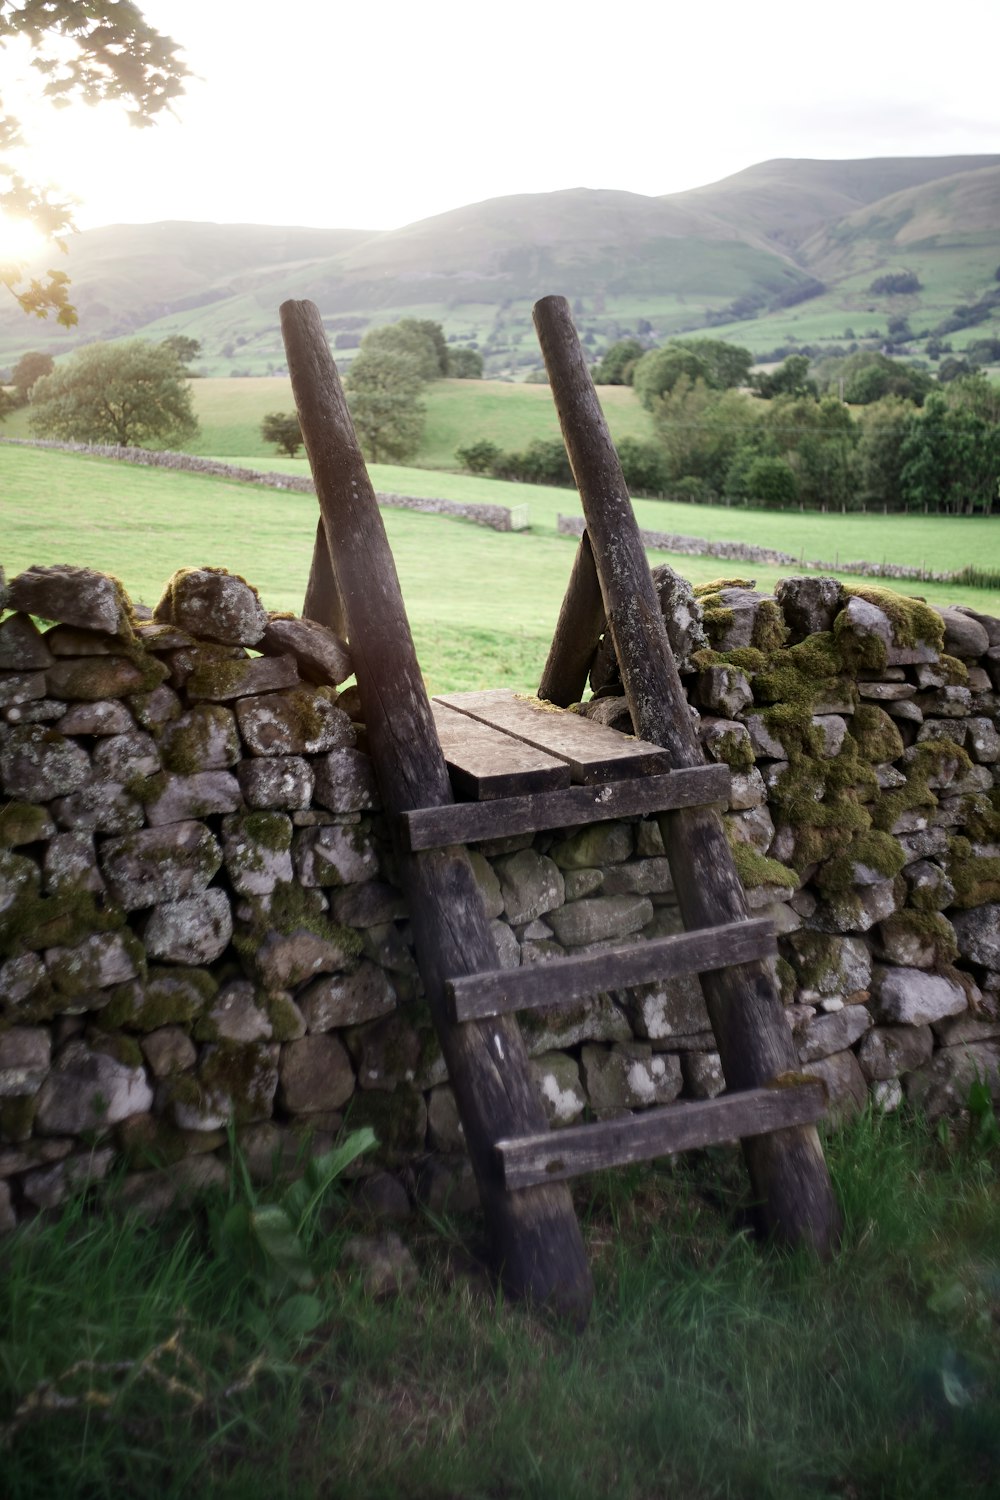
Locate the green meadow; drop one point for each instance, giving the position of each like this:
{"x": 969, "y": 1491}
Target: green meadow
{"x": 482, "y": 604}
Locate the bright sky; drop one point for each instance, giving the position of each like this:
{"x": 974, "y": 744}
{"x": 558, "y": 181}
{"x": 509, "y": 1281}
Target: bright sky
{"x": 378, "y": 113}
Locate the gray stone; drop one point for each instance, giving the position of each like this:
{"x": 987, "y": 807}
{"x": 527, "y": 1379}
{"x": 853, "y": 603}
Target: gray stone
{"x": 747, "y": 790}
{"x": 38, "y": 711}
{"x": 19, "y": 879}
{"x": 73, "y": 596}
{"x": 990, "y": 623}
{"x": 169, "y": 1050}
{"x": 338, "y": 1000}
{"x": 333, "y": 855}
{"x": 120, "y": 757}
{"x": 489, "y": 885}
{"x": 703, "y": 1075}
{"x": 829, "y": 966}
{"x": 930, "y": 888}
{"x": 580, "y": 883}
{"x": 302, "y": 721}
{"x": 599, "y": 918}
{"x": 315, "y": 1073}
{"x": 766, "y": 745}
{"x": 912, "y": 997}
{"x": 160, "y": 864}
{"x": 648, "y": 839}
{"x": 629, "y": 1075}
{"x": 681, "y": 615}
{"x": 636, "y": 877}
{"x": 833, "y": 729}
{"x": 21, "y": 687}
{"x": 754, "y": 827}
{"x": 88, "y": 1091}
{"x": 555, "y": 1028}
{"x": 369, "y": 905}
{"x": 955, "y": 1029}
{"x": 950, "y": 702}
{"x": 279, "y": 781}
{"x": 22, "y": 645}
{"x": 213, "y": 605}
{"x": 963, "y": 634}
{"x": 345, "y": 781}
{"x": 557, "y": 1078}
{"x": 922, "y": 843}
{"x": 886, "y": 692}
{"x": 205, "y": 738}
{"x": 900, "y": 942}
{"x": 724, "y": 739}
{"x": 22, "y": 978}
{"x": 808, "y": 604}
{"x": 444, "y": 1127}
{"x": 50, "y": 1186}
{"x": 71, "y": 640}
{"x": 254, "y": 857}
{"x": 828, "y": 1034}
{"x": 723, "y": 691}
{"x": 105, "y": 717}
{"x": 857, "y": 910}
{"x": 25, "y": 1052}
{"x": 506, "y": 944}
{"x": 194, "y": 930}
{"x": 222, "y": 682}
{"x": 284, "y": 960}
{"x": 70, "y": 864}
{"x": 235, "y": 1015}
{"x": 530, "y": 884}
{"x": 100, "y": 807}
{"x": 942, "y": 1085}
{"x": 384, "y": 1196}
{"x": 613, "y": 713}
{"x": 92, "y": 679}
{"x": 889, "y": 1051}
{"x": 100, "y": 960}
{"x": 386, "y": 1053}
{"x": 155, "y": 709}
{"x": 599, "y": 844}
{"x": 38, "y": 764}
{"x": 847, "y": 1092}
{"x": 321, "y": 655}
{"x": 204, "y": 794}
{"x": 384, "y": 1265}
{"x": 861, "y": 620}
{"x": 978, "y": 934}
{"x": 668, "y": 1008}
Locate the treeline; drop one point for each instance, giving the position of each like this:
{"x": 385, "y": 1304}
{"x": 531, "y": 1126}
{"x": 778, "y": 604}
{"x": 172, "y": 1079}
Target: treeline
{"x": 544, "y": 461}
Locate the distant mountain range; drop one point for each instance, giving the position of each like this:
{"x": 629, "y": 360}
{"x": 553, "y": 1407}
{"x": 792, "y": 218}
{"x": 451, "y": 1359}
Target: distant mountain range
{"x": 784, "y": 252}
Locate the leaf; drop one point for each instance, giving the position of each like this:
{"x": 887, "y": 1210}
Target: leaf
{"x": 276, "y": 1236}
{"x": 321, "y": 1172}
{"x": 299, "y": 1314}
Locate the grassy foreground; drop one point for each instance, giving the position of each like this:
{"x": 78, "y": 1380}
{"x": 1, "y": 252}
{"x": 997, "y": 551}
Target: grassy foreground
{"x": 711, "y": 1368}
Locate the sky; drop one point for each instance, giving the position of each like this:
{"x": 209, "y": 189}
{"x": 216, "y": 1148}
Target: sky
{"x": 378, "y": 113}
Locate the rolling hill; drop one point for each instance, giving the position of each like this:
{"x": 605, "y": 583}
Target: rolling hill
{"x": 784, "y": 251}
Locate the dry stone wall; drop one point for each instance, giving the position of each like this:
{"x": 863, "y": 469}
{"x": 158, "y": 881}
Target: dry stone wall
{"x": 201, "y": 931}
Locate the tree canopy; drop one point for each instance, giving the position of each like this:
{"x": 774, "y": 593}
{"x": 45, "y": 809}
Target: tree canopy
{"x": 417, "y": 338}
{"x": 29, "y": 368}
{"x": 282, "y": 428}
{"x": 132, "y": 394}
{"x": 383, "y": 389}
{"x": 102, "y": 51}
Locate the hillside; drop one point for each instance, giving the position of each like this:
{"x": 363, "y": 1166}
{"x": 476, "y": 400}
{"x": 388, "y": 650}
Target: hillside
{"x": 782, "y": 251}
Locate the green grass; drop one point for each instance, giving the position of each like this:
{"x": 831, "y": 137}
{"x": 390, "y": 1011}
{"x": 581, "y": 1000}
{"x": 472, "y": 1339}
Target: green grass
{"x": 712, "y": 1368}
{"x": 482, "y": 604}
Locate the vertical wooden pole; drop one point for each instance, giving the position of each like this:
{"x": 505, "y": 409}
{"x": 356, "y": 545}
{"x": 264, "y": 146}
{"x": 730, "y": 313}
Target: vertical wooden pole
{"x": 534, "y": 1231}
{"x": 787, "y": 1169}
{"x": 578, "y": 630}
{"x": 322, "y": 602}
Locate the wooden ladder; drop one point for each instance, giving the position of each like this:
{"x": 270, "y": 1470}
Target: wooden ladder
{"x": 520, "y": 1165}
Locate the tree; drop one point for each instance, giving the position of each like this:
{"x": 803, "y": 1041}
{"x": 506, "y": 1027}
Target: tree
{"x": 726, "y": 365}
{"x": 102, "y": 51}
{"x": 644, "y": 466}
{"x": 465, "y": 364}
{"x": 184, "y": 349}
{"x": 477, "y": 458}
{"x": 29, "y": 368}
{"x": 789, "y": 379}
{"x": 771, "y": 483}
{"x": 383, "y": 392}
{"x": 883, "y": 426}
{"x": 131, "y": 394}
{"x": 282, "y": 428}
{"x": 409, "y": 337}
{"x": 658, "y": 372}
{"x": 618, "y": 363}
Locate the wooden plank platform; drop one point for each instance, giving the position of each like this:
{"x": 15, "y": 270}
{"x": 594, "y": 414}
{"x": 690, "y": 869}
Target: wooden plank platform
{"x": 496, "y": 992}
{"x": 467, "y": 822}
{"x": 485, "y": 763}
{"x": 592, "y": 752}
{"x": 559, "y": 1154}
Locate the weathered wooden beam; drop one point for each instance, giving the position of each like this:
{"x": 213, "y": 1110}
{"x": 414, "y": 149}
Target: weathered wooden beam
{"x": 486, "y": 764}
{"x": 322, "y": 602}
{"x": 578, "y": 630}
{"x": 592, "y": 751}
{"x": 534, "y": 1233}
{"x": 787, "y": 1169}
{"x": 560, "y": 1154}
{"x": 501, "y": 991}
{"x": 467, "y": 822}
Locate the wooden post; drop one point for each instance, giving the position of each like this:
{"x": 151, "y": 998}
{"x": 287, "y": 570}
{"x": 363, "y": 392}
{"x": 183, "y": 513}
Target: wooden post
{"x": 788, "y": 1170}
{"x": 578, "y": 630}
{"x": 534, "y": 1232}
{"x": 322, "y": 602}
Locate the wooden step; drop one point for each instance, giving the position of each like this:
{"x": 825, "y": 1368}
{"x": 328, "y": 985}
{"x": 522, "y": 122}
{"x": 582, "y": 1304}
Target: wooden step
{"x": 467, "y": 822}
{"x": 498, "y": 991}
{"x": 592, "y": 751}
{"x": 486, "y": 763}
{"x": 558, "y": 1154}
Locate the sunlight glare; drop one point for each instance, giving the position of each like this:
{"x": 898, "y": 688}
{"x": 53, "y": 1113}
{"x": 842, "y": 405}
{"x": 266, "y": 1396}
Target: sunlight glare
{"x": 20, "y": 241}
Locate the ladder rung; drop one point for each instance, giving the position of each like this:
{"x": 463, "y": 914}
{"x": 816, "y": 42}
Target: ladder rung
{"x": 558, "y": 1154}
{"x": 497, "y": 991}
{"x": 467, "y": 822}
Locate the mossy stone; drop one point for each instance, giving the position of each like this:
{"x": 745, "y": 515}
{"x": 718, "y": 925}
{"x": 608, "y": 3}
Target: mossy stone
{"x": 24, "y": 823}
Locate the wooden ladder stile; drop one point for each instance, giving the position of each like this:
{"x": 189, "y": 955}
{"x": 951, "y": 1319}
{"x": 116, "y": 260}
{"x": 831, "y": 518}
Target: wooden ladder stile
{"x": 532, "y": 769}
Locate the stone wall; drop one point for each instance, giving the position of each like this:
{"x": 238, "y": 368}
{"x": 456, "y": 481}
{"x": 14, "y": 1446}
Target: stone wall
{"x": 200, "y": 928}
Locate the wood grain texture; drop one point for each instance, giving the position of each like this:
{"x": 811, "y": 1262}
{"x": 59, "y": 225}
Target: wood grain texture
{"x": 534, "y": 1233}
{"x": 789, "y": 1173}
{"x": 466, "y": 822}
{"x": 561, "y": 1154}
{"x": 578, "y": 630}
{"x": 592, "y": 751}
{"x": 323, "y": 602}
{"x": 485, "y": 764}
{"x": 501, "y": 991}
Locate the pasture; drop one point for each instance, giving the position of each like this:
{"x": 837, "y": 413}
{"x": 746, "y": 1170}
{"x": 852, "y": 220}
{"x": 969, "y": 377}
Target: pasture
{"x": 482, "y": 604}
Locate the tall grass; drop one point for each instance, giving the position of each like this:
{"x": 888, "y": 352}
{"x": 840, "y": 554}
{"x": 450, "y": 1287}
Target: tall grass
{"x": 712, "y": 1367}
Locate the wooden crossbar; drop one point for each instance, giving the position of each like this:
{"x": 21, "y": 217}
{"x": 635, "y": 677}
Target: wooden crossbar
{"x": 467, "y": 822}
{"x": 554, "y": 1156}
{"x": 499, "y": 991}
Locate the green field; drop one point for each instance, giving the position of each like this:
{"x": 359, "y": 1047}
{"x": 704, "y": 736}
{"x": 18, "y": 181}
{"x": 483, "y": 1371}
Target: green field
{"x": 482, "y": 604}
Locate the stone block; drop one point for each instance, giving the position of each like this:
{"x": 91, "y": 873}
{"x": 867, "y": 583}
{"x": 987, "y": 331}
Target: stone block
{"x": 194, "y": 930}
{"x": 703, "y": 1075}
{"x": 88, "y": 1090}
{"x": 314, "y": 1073}
{"x": 213, "y": 605}
{"x": 334, "y": 855}
{"x": 205, "y": 794}
{"x": 826, "y": 1035}
{"x": 339, "y": 1000}
{"x": 302, "y": 721}
{"x": 160, "y": 864}
{"x": 284, "y": 960}
{"x": 257, "y": 852}
{"x": 279, "y": 781}
{"x": 22, "y": 646}
{"x": 599, "y": 918}
{"x": 890, "y": 1051}
{"x": 25, "y": 1053}
{"x": 557, "y": 1078}
{"x": 345, "y": 780}
{"x": 121, "y": 757}
{"x": 385, "y": 1053}
{"x": 978, "y": 934}
{"x": 38, "y": 764}
{"x": 444, "y": 1127}
{"x": 636, "y": 877}
{"x": 321, "y": 655}
{"x": 601, "y": 844}
{"x": 629, "y": 1075}
{"x": 531, "y": 886}
{"x": 204, "y": 738}
{"x": 168, "y": 1050}
{"x": 671, "y": 1007}
{"x": 371, "y": 904}
{"x": 723, "y": 690}
{"x": 154, "y": 709}
{"x": 101, "y": 960}
{"x": 912, "y": 997}
{"x": 809, "y": 605}
{"x": 73, "y": 596}
{"x": 21, "y": 687}
{"x": 99, "y": 807}
{"x": 942, "y": 1085}
{"x": 847, "y": 1091}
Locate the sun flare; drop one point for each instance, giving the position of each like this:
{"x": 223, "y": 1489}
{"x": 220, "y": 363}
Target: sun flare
{"x": 19, "y": 240}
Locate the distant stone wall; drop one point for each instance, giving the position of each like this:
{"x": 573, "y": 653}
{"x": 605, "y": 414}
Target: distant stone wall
{"x": 496, "y": 517}
{"x": 200, "y": 924}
